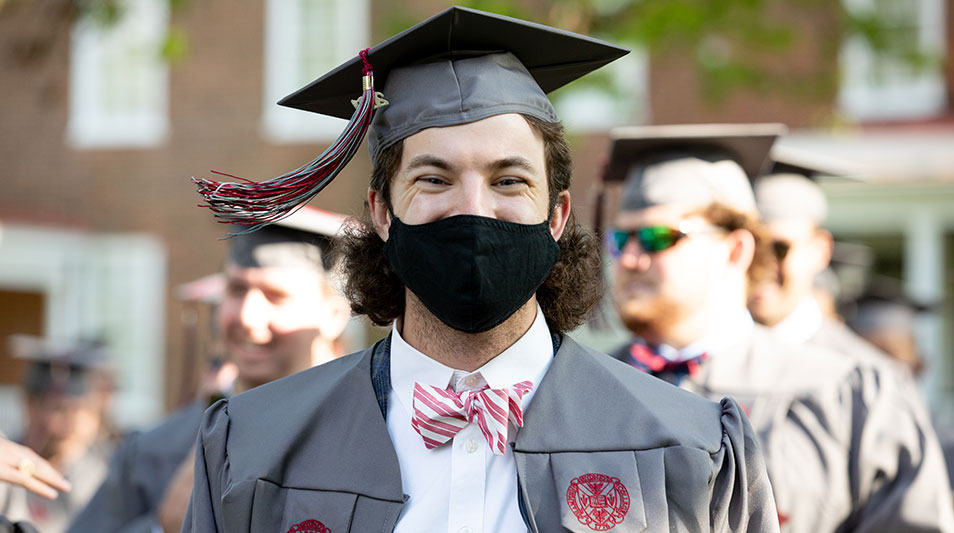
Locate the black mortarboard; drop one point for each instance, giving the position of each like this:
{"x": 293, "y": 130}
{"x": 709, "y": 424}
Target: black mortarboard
{"x": 459, "y": 66}
{"x": 746, "y": 144}
{"x": 788, "y": 160}
{"x": 696, "y": 164}
{"x": 59, "y": 367}
{"x": 302, "y": 240}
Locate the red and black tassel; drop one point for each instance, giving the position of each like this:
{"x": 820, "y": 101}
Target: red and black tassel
{"x": 253, "y": 205}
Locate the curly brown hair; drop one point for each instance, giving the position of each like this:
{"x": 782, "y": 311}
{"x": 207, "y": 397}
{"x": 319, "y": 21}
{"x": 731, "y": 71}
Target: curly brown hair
{"x": 567, "y": 297}
{"x": 764, "y": 265}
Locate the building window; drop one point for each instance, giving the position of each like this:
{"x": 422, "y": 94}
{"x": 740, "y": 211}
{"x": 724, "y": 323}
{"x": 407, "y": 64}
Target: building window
{"x": 303, "y": 40}
{"x": 877, "y": 87}
{"x": 118, "y": 78}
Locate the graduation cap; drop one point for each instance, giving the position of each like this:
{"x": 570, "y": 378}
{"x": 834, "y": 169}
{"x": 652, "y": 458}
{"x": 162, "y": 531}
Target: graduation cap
{"x": 457, "y": 67}
{"x": 304, "y": 239}
{"x": 59, "y": 367}
{"x": 788, "y": 160}
{"x": 791, "y": 190}
{"x": 693, "y": 164}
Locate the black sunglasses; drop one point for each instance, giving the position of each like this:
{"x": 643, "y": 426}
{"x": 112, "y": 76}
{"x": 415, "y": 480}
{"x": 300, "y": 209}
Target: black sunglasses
{"x": 780, "y": 249}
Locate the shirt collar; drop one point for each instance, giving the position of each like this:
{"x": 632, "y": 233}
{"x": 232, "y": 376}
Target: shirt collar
{"x": 801, "y": 324}
{"x": 726, "y": 330}
{"x": 527, "y": 359}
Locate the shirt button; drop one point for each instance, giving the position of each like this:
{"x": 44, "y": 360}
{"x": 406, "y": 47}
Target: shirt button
{"x": 465, "y": 529}
{"x": 470, "y": 446}
{"x": 471, "y": 381}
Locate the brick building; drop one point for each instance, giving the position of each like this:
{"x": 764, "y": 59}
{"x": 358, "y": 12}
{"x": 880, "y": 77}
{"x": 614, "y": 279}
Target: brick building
{"x": 100, "y": 134}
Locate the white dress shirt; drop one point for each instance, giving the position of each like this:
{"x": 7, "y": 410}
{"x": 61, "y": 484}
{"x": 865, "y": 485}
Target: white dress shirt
{"x": 801, "y": 324}
{"x": 461, "y": 487}
{"x": 726, "y": 330}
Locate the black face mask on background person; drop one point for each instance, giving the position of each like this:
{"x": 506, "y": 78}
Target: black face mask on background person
{"x": 471, "y": 272}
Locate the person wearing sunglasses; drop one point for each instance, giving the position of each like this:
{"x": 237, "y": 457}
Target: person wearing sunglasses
{"x": 687, "y": 244}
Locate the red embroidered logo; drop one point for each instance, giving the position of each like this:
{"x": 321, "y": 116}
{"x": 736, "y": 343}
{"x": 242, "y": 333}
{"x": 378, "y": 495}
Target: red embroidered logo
{"x": 309, "y": 526}
{"x": 599, "y": 502}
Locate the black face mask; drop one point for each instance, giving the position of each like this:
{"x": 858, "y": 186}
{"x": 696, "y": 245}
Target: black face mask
{"x": 471, "y": 272}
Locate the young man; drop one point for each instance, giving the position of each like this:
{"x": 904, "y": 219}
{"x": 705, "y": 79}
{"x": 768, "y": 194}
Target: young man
{"x": 688, "y": 246}
{"x": 476, "y": 414}
{"x": 280, "y": 313}
{"x": 793, "y": 209}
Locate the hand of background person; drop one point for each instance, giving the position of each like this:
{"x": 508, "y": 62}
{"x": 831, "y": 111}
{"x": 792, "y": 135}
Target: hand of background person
{"x": 21, "y": 466}
{"x": 172, "y": 510}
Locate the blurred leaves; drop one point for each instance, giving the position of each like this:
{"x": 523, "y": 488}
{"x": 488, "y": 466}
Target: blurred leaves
{"x": 105, "y": 13}
{"x": 732, "y": 43}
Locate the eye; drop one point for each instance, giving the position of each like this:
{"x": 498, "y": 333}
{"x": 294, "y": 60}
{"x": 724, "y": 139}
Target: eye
{"x": 509, "y": 181}
{"x": 431, "y": 180}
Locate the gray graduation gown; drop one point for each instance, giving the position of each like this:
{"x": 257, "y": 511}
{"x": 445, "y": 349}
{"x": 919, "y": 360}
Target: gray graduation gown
{"x": 842, "y": 452}
{"x": 139, "y": 472}
{"x": 603, "y": 448}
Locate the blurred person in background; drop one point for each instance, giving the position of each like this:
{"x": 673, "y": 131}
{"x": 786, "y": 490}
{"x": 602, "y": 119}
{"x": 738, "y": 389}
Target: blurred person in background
{"x": 280, "y": 313}
{"x": 793, "y": 208}
{"x": 21, "y": 466}
{"x": 69, "y": 387}
{"x": 688, "y": 244}
{"x": 886, "y": 318}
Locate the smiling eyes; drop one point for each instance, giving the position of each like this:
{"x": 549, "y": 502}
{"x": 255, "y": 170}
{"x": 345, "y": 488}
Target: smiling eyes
{"x": 438, "y": 181}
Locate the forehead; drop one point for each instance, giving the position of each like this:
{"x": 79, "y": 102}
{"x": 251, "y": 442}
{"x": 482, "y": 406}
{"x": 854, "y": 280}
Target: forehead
{"x": 792, "y": 229}
{"x": 666, "y": 214}
{"x": 291, "y": 279}
{"x": 498, "y": 136}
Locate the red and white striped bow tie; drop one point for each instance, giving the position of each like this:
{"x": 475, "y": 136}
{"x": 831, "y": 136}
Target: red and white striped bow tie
{"x": 439, "y": 414}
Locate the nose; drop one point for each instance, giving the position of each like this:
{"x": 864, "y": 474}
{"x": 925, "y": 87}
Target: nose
{"x": 633, "y": 257}
{"x": 474, "y": 197}
{"x": 254, "y": 316}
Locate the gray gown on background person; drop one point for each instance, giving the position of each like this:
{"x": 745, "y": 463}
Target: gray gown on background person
{"x": 314, "y": 448}
{"x": 843, "y": 452}
{"x": 139, "y": 473}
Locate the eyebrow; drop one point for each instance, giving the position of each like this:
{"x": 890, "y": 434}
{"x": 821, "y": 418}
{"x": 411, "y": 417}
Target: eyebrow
{"x": 512, "y": 162}
{"x": 428, "y": 160}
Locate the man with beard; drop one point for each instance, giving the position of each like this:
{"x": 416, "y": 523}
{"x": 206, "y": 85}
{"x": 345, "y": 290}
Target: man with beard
{"x": 687, "y": 244}
{"x": 476, "y": 413}
{"x": 280, "y": 313}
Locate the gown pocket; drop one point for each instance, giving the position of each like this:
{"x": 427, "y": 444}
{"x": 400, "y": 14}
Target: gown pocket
{"x": 292, "y": 510}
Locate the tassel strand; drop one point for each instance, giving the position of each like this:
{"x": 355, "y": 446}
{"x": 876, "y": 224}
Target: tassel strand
{"x": 253, "y": 205}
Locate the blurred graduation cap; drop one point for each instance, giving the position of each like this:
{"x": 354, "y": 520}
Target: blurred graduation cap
{"x": 790, "y": 189}
{"x": 302, "y": 240}
{"x": 59, "y": 367}
{"x": 788, "y": 160}
{"x": 457, "y": 67}
{"x": 695, "y": 164}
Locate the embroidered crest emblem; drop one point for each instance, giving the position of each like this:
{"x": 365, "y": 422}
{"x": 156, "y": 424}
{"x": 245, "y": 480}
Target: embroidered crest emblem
{"x": 598, "y": 501}
{"x": 309, "y": 526}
